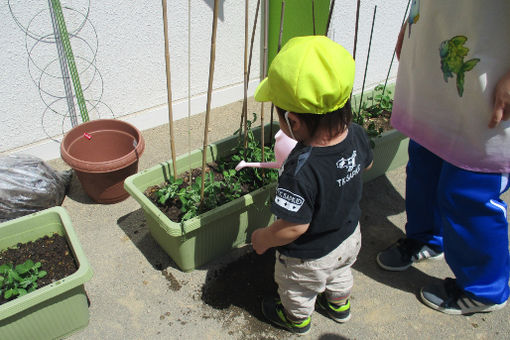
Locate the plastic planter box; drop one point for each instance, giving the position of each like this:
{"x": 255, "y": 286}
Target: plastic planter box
{"x": 55, "y": 310}
{"x": 390, "y": 152}
{"x": 390, "y": 148}
{"x": 201, "y": 239}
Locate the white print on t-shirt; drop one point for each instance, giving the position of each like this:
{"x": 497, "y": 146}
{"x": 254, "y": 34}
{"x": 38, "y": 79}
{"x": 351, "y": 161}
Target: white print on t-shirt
{"x": 288, "y": 200}
{"x": 350, "y": 165}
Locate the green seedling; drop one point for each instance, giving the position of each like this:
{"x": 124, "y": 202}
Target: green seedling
{"x": 187, "y": 197}
{"x": 19, "y": 280}
{"x": 374, "y": 107}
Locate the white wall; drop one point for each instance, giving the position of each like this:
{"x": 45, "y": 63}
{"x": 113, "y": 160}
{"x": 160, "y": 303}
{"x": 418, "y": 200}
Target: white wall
{"x": 119, "y": 52}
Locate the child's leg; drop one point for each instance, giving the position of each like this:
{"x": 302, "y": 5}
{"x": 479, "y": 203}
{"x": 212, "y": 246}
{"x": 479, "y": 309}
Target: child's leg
{"x": 297, "y": 287}
{"x": 476, "y": 232}
{"x": 299, "y": 281}
{"x": 340, "y": 280}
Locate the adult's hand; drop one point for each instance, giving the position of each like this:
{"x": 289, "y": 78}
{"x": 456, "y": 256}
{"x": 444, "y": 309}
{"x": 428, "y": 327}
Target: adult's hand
{"x": 501, "y": 110}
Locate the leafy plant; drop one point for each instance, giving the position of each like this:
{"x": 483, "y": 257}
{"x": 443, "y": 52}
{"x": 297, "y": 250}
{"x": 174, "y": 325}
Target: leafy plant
{"x": 234, "y": 184}
{"x": 374, "y": 108}
{"x": 170, "y": 191}
{"x": 19, "y": 280}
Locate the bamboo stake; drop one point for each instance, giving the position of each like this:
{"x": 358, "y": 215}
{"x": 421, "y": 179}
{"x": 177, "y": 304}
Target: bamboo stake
{"x": 395, "y": 50}
{"x": 313, "y": 16}
{"x": 262, "y": 130}
{"x": 250, "y": 58}
{"x": 169, "y": 88}
{"x": 245, "y": 99}
{"x": 209, "y": 91}
{"x": 253, "y": 38}
{"x": 329, "y": 16}
{"x": 266, "y": 34}
{"x": 282, "y": 16}
{"x": 366, "y": 65}
{"x": 356, "y": 30}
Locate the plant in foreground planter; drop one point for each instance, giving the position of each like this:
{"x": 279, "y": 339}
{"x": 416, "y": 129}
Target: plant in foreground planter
{"x": 58, "y": 307}
{"x": 180, "y": 197}
{"x": 21, "y": 279}
{"x": 375, "y": 113}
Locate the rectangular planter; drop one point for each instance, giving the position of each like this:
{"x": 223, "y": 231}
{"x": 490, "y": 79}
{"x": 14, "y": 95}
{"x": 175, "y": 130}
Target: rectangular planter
{"x": 201, "y": 239}
{"x": 390, "y": 148}
{"x": 390, "y": 152}
{"x": 55, "y": 310}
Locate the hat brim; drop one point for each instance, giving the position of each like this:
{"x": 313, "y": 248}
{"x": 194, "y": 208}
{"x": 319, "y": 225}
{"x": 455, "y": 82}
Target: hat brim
{"x": 263, "y": 92}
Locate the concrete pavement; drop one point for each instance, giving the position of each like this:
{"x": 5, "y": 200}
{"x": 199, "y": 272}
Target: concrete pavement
{"x": 137, "y": 292}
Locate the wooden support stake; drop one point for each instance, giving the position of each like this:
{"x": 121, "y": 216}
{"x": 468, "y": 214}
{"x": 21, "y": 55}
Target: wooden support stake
{"x": 282, "y": 16}
{"x": 169, "y": 89}
{"x": 329, "y": 16}
{"x": 313, "y": 16}
{"x": 209, "y": 92}
{"x": 245, "y": 99}
{"x": 356, "y": 30}
{"x": 366, "y": 64}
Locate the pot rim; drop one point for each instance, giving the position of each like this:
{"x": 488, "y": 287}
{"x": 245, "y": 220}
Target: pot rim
{"x": 103, "y": 166}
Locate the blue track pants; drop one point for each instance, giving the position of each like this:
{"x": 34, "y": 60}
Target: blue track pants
{"x": 460, "y": 212}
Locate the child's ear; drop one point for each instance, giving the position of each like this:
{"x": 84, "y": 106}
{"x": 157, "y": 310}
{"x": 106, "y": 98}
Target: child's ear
{"x": 294, "y": 121}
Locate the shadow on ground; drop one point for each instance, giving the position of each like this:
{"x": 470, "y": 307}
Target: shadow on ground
{"x": 134, "y": 226}
{"x": 239, "y": 286}
{"x": 379, "y": 202}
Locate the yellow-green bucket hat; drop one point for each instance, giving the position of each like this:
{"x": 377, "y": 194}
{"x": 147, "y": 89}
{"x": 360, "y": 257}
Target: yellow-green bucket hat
{"x": 311, "y": 74}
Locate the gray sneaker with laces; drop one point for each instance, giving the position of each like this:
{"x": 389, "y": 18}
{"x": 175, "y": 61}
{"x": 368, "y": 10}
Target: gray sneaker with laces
{"x": 448, "y": 298}
{"x": 402, "y": 254}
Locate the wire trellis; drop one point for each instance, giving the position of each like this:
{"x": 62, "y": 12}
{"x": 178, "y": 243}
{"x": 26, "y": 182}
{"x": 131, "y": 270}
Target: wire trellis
{"x": 47, "y": 67}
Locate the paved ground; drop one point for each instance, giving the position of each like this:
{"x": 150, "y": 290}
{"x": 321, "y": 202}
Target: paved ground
{"x": 137, "y": 292}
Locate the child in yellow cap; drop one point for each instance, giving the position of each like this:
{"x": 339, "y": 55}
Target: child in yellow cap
{"x": 317, "y": 234}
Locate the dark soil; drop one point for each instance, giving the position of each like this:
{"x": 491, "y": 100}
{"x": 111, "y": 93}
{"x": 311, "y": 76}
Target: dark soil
{"x": 376, "y": 123}
{"x": 53, "y": 252}
{"x": 382, "y": 121}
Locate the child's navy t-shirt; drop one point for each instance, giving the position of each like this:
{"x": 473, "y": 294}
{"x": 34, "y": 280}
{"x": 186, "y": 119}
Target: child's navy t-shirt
{"x": 323, "y": 186}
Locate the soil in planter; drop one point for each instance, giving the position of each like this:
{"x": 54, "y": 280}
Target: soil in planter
{"x": 375, "y": 123}
{"x": 380, "y": 122}
{"x": 53, "y": 252}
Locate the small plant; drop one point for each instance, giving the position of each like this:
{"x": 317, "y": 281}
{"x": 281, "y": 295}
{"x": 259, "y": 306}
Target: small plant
{"x": 19, "y": 280}
{"x": 170, "y": 191}
{"x": 233, "y": 184}
{"x": 377, "y": 108}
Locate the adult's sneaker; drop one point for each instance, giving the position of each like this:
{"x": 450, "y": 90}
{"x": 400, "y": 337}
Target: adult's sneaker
{"x": 273, "y": 311}
{"x": 339, "y": 314}
{"x": 402, "y": 254}
{"x": 448, "y": 298}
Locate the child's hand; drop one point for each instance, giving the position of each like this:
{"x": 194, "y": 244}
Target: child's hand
{"x": 257, "y": 241}
{"x": 277, "y": 234}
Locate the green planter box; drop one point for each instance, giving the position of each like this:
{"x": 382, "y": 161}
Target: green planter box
{"x": 390, "y": 152}
{"x": 56, "y": 310}
{"x": 390, "y": 149}
{"x": 201, "y": 239}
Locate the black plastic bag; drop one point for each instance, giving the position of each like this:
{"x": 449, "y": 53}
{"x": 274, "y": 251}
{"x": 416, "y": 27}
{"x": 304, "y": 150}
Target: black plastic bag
{"x": 28, "y": 184}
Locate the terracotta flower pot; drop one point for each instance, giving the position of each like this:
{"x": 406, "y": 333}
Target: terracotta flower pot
{"x": 103, "y": 153}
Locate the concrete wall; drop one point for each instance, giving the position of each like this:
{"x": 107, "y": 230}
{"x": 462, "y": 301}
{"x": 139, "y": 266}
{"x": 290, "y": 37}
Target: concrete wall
{"x": 119, "y": 52}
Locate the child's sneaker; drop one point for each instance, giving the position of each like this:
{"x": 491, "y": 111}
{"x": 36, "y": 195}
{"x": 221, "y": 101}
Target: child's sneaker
{"x": 338, "y": 313}
{"x": 448, "y": 298}
{"x": 273, "y": 310}
{"x": 402, "y": 254}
